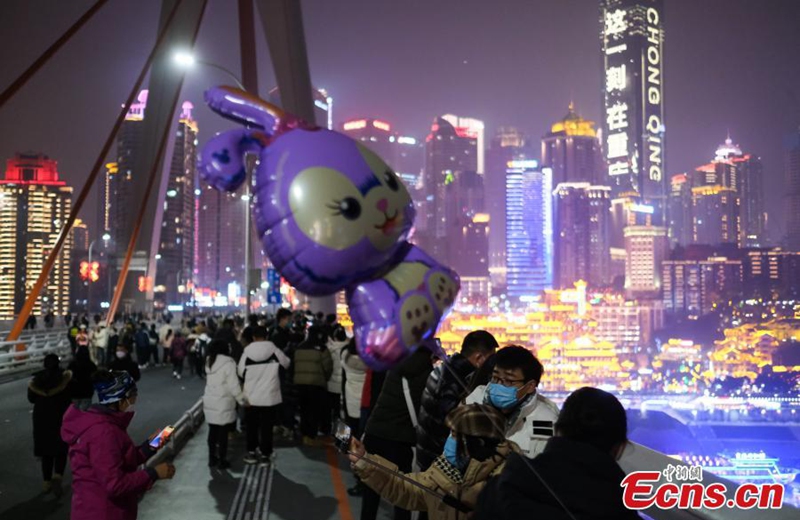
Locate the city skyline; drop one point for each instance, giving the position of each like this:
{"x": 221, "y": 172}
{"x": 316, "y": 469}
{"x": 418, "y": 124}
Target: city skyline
{"x": 696, "y": 117}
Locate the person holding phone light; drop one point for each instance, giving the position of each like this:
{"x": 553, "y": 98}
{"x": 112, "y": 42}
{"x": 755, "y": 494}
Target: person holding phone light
{"x": 106, "y": 480}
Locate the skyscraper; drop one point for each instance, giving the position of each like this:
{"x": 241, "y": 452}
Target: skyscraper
{"x": 792, "y": 169}
{"x": 680, "y": 210}
{"x": 374, "y": 134}
{"x": 632, "y": 40}
{"x": 220, "y": 226}
{"x": 715, "y": 211}
{"x": 529, "y": 230}
{"x": 573, "y": 151}
{"x": 509, "y": 144}
{"x": 119, "y": 191}
{"x": 408, "y": 161}
{"x": 693, "y": 287}
{"x": 749, "y": 175}
{"x": 646, "y": 248}
{"x": 34, "y": 204}
{"x": 177, "y": 247}
{"x": 581, "y": 238}
{"x": 448, "y": 151}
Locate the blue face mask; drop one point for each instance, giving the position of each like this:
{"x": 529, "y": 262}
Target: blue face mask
{"x": 451, "y": 453}
{"x": 502, "y": 397}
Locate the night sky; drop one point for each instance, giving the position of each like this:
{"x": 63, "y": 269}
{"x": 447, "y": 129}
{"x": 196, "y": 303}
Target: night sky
{"x": 730, "y": 65}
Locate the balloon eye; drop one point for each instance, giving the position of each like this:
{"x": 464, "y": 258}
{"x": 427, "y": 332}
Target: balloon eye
{"x": 348, "y": 207}
{"x": 391, "y": 180}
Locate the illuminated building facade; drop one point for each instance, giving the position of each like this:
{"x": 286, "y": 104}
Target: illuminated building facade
{"x": 750, "y": 187}
{"x": 680, "y": 210}
{"x": 627, "y": 324}
{"x": 375, "y": 134}
{"x": 572, "y": 150}
{"x": 632, "y": 45}
{"x": 34, "y": 205}
{"x": 509, "y": 144}
{"x": 792, "y": 175}
{"x": 450, "y": 151}
{"x": 174, "y": 277}
{"x": 693, "y": 288}
{"x": 407, "y": 160}
{"x": 715, "y": 215}
{"x": 119, "y": 189}
{"x": 771, "y": 273}
{"x": 221, "y": 256}
{"x": 646, "y": 247}
{"x": 529, "y": 230}
{"x": 469, "y": 256}
{"x": 581, "y": 234}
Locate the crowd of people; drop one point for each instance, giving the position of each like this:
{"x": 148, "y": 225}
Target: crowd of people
{"x": 469, "y": 434}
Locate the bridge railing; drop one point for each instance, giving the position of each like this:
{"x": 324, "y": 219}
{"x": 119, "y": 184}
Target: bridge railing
{"x": 185, "y": 428}
{"x": 26, "y": 353}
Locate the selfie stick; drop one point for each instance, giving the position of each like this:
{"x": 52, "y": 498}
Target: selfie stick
{"x": 447, "y": 499}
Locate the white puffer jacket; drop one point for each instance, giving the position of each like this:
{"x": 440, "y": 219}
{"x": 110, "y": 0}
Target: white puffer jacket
{"x": 259, "y": 366}
{"x": 355, "y": 371}
{"x": 335, "y": 381}
{"x": 222, "y": 392}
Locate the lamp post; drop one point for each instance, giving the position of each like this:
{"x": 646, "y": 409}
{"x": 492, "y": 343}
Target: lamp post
{"x": 89, "y": 289}
{"x": 106, "y": 237}
{"x": 187, "y": 60}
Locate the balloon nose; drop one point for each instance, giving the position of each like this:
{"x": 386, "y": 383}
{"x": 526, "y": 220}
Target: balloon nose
{"x": 382, "y": 205}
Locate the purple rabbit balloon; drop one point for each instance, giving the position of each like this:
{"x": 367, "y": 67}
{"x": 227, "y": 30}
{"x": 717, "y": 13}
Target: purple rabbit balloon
{"x": 333, "y": 215}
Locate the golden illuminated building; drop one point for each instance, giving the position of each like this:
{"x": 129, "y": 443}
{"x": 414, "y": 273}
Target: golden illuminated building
{"x": 34, "y": 205}
{"x": 573, "y": 151}
{"x": 748, "y": 348}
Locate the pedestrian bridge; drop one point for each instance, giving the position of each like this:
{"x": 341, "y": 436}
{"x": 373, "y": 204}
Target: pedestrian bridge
{"x": 303, "y": 483}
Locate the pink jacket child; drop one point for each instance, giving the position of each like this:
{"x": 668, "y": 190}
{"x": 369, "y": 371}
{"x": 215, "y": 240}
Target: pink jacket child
{"x": 106, "y": 483}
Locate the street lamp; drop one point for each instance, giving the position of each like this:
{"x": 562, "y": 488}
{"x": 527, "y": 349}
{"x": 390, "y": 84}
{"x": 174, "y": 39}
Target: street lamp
{"x": 186, "y": 61}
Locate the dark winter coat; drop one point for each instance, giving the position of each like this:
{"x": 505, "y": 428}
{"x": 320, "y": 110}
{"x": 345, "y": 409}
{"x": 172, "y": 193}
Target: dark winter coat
{"x": 126, "y": 364}
{"x": 442, "y": 394}
{"x": 82, "y": 370}
{"x": 281, "y": 337}
{"x": 390, "y": 418}
{"x": 585, "y": 479}
{"x": 313, "y": 364}
{"x": 50, "y": 398}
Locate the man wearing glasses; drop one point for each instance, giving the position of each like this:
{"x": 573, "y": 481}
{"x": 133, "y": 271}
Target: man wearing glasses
{"x": 512, "y": 390}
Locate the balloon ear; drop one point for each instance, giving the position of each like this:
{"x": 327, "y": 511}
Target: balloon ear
{"x": 237, "y": 105}
{"x": 222, "y": 159}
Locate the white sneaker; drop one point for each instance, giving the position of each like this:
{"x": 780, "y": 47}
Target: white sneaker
{"x": 178, "y": 376}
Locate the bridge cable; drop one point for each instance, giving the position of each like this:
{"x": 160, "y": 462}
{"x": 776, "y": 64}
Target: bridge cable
{"x": 49, "y": 53}
{"x": 123, "y": 275}
{"x": 84, "y": 193}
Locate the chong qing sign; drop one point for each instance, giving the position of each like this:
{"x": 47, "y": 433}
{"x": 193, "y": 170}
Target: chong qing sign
{"x": 632, "y": 45}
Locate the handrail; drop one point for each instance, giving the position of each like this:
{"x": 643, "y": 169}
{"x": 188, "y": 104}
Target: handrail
{"x": 27, "y": 352}
{"x": 185, "y": 428}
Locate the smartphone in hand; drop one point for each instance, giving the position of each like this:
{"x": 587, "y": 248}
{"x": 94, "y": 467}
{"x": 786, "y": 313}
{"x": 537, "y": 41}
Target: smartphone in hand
{"x": 342, "y": 437}
{"x": 162, "y": 437}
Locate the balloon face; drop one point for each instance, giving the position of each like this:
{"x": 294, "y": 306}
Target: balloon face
{"x": 330, "y": 211}
{"x": 333, "y": 215}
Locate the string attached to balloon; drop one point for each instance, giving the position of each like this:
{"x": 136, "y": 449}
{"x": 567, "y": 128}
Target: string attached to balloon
{"x": 332, "y": 216}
